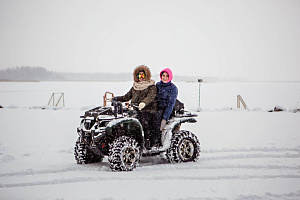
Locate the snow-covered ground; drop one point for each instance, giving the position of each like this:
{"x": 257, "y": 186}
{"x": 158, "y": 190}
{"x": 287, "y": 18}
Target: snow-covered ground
{"x": 246, "y": 154}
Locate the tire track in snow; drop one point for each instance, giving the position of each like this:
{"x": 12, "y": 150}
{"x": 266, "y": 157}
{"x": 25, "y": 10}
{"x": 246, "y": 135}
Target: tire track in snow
{"x": 185, "y": 166}
{"x": 249, "y": 153}
{"x": 253, "y": 149}
{"x": 152, "y": 178}
{"x": 248, "y": 156}
{"x": 154, "y": 167}
{"x": 152, "y": 163}
{"x": 85, "y": 167}
{"x": 268, "y": 195}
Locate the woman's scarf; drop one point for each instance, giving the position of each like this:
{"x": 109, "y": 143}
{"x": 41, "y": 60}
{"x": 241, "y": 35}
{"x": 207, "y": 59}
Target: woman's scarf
{"x": 143, "y": 84}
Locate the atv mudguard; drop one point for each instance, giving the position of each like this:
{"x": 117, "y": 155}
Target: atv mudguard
{"x": 125, "y": 126}
{"x": 172, "y": 127}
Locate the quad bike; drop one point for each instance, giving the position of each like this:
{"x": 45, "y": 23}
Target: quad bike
{"x": 115, "y": 131}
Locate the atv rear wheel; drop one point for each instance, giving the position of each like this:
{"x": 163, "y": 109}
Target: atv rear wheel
{"x": 124, "y": 154}
{"x": 185, "y": 147}
{"x": 83, "y": 155}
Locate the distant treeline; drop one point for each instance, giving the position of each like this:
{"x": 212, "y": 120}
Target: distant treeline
{"x": 41, "y": 74}
{"x": 28, "y": 74}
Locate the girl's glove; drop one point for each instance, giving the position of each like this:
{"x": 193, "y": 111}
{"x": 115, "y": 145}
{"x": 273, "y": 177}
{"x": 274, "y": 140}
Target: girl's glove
{"x": 163, "y": 124}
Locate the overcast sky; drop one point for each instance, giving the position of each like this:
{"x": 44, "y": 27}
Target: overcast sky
{"x": 250, "y": 39}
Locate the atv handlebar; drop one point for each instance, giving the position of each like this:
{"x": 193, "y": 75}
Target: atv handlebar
{"x": 134, "y": 105}
{"x": 118, "y": 107}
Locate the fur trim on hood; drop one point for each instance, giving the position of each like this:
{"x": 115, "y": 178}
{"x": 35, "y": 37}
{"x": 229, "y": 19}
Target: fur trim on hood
{"x": 142, "y": 68}
{"x": 169, "y": 72}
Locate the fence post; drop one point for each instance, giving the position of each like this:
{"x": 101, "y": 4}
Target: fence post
{"x": 239, "y": 100}
{"x": 199, "y": 81}
{"x": 62, "y": 96}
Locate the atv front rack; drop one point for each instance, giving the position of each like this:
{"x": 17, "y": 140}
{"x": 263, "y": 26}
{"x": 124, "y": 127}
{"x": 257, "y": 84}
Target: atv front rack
{"x": 101, "y": 110}
{"x": 95, "y": 112}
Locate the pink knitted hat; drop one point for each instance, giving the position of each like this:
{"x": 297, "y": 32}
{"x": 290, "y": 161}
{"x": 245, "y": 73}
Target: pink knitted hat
{"x": 169, "y": 73}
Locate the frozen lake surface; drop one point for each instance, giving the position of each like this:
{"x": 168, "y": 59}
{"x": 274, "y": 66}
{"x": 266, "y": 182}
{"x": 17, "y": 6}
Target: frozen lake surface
{"x": 245, "y": 154}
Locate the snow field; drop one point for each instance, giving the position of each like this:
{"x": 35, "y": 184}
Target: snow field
{"x": 245, "y": 154}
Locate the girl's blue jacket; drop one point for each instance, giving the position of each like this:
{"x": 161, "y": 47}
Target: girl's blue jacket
{"x": 166, "y": 97}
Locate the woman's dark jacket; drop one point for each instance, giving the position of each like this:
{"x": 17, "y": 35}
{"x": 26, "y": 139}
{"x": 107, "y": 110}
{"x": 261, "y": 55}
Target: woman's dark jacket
{"x": 137, "y": 96}
{"x": 166, "y": 97}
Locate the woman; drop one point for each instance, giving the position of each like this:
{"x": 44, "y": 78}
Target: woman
{"x": 166, "y": 97}
{"x": 143, "y": 93}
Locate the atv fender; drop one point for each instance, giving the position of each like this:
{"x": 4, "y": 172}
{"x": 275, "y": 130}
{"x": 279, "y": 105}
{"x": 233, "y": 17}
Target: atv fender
{"x": 125, "y": 126}
{"x": 172, "y": 127}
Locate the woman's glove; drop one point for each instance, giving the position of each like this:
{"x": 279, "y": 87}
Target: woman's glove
{"x": 163, "y": 124}
{"x": 141, "y": 105}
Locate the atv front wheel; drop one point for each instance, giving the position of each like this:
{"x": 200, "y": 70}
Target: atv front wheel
{"x": 185, "y": 147}
{"x": 124, "y": 154}
{"x": 83, "y": 155}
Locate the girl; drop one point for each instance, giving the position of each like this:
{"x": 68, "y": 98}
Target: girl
{"x": 166, "y": 97}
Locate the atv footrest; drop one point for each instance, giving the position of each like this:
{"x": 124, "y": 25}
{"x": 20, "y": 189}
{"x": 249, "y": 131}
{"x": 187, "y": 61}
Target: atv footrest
{"x": 151, "y": 152}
